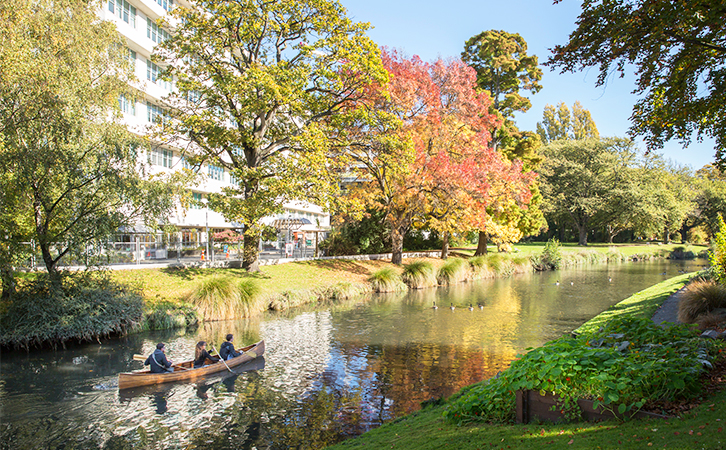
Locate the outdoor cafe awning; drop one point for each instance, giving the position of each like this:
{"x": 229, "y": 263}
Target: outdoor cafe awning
{"x": 290, "y": 223}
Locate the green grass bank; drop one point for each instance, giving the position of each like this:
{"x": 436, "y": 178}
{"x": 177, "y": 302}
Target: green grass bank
{"x": 177, "y": 298}
{"x": 701, "y": 427}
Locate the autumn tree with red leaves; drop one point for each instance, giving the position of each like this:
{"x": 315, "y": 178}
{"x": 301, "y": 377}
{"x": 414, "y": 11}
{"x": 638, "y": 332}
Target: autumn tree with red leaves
{"x": 418, "y": 149}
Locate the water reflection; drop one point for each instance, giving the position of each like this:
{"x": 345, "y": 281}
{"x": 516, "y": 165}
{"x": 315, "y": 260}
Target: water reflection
{"x": 328, "y": 373}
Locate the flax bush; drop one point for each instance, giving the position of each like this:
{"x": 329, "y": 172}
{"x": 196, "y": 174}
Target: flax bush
{"x": 80, "y": 307}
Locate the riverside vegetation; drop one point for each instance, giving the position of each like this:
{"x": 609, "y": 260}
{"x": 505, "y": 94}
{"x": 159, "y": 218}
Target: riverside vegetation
{"x": 116, "y": 302}
{"x": 620, "y": 359}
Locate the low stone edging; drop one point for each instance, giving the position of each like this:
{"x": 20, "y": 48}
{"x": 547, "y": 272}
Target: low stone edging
{"x": 237, "y": 263}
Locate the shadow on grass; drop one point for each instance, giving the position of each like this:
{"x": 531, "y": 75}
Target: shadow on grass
{"x": 195, "y": 272}
{"x": 341, "y": 265}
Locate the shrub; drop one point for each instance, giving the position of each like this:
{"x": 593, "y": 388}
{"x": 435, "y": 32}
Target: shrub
{"x": 387, "y": 280}
{"x": 167, "y": 315}
{"x": 551, "y": 257}
{"x": 81, "y": 307}
{"x": 453, "y": 271}
{"x": 718, "y": 252}
{"x": 622, "y": 367}
{"x": 419, "y": 274}
{"x": 223, "y": 297}
{"x": 699, "y": 298}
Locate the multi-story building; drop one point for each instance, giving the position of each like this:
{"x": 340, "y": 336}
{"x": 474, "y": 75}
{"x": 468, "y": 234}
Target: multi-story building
{"x": 137, "y": 22}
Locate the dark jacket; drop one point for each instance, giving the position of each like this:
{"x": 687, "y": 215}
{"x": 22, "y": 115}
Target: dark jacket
{"x": 158, "y": 362}
{"x": 227, "y": 351}
{"x": 203, "y": 359}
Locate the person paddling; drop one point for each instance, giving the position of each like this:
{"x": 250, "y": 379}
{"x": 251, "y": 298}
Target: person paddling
{"x": 158, "y": 361}
{"x": 227, "y": 351}
{"x": 201, "y": 355}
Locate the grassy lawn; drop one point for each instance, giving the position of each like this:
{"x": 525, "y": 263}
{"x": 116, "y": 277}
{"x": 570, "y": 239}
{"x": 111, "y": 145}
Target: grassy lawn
{"x": 628, "y": 250}
{"x": 701, "y": 427}
{"x": 175, "y": 285}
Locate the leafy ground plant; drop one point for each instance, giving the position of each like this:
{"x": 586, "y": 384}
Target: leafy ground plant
{"x": 82, "y": 307}
{"x": 623, "y": 367}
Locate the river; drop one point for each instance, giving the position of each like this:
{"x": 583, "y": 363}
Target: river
{"x": 330, "y": 372}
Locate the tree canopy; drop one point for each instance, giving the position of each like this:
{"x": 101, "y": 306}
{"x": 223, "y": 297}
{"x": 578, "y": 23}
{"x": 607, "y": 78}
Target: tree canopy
{"x": 69, "y": 173}
{"x": 677, "y": 49}
{"x": 259, "y": 85}
{"x": 561, "y": 123}
{"x": 503, "y": 68}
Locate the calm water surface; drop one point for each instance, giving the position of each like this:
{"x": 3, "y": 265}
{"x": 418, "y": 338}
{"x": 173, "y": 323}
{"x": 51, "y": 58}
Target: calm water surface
{"x": 329, "y": 372}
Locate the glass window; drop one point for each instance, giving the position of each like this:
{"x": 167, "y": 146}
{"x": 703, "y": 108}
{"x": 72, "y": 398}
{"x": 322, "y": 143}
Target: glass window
{"x": 166, "y": 4}
{"x": 155, "y": 32}
{"x": 124, "y": 11}
{"x": 197, "y": 201}
{"x": 161, "y": 157}
{"x": 153, "y": 74}
{"x": 155, "y": 113}
{"x": 216, "y": 172}
{"x": 127, "y": 106}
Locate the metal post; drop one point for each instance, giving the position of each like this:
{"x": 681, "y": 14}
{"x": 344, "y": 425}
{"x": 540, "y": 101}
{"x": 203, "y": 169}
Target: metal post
{"x": 206, "y": 231}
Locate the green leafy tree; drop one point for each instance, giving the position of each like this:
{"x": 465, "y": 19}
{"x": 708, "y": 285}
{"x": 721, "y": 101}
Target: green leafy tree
{"x": 560, "y": 123}
{"x": 709, "y": 184}
{"x": 677, "y": 49}
{"x": 67, "y": 167}
{"x": 259, "y": 86}
{"x": 578, "y": 176}
{"x": 503, "y": 69}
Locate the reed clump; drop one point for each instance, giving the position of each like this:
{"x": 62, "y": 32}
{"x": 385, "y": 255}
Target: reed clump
{"x": 387, "y": 280}
{"x": 479, "y": 268}
{"x": 419, "y": 275}
{"x": 454, "y": 270}
{"x": 223, "y": 297}
{"x": 700, "y": 298}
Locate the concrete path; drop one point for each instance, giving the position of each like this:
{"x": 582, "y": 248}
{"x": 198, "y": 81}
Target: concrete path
{"x": 668, "y": 311}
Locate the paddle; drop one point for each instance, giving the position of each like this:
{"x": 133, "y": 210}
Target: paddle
{"x": 142, "y": 358}
{"x": 220, "y": 357}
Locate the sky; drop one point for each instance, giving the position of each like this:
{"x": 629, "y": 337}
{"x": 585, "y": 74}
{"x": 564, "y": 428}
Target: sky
{"x": 433, "y": 29}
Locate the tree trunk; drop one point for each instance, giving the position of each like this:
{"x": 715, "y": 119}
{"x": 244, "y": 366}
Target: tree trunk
{"x": 251, "y": 252}
{"x": 396, "y": 245}
{"x": 481, "y": 248}
{"x": 8, "y": 283}
{"x": 445, "y": 246}
{"x": 582, "y": 239}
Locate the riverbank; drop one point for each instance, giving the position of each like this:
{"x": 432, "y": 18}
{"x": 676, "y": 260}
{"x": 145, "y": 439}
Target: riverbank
{"x": 168, "y": 293}
{"x": 701, "y": 427}
{"x": 309, "y": 281}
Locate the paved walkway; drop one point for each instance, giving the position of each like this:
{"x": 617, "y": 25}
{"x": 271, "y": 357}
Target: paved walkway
{"x": 668, "y": 311}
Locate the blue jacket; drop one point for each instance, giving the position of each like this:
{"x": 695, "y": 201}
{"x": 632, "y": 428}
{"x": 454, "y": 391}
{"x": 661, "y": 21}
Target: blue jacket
{"x": 158, "y": 362}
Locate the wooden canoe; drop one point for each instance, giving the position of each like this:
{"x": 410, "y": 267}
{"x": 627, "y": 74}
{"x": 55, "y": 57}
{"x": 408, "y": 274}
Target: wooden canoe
{"x": 185, "y": 371}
